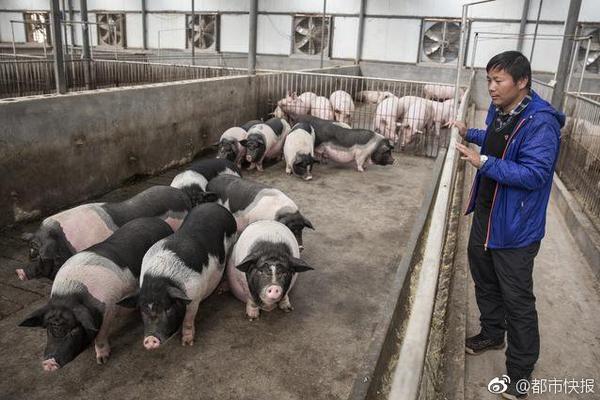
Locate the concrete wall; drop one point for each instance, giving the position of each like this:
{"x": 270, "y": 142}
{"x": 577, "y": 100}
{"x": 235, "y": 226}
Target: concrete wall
{"x": 59, "y": 150}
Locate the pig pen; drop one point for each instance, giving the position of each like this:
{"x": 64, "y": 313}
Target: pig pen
{"x": 367, "y": 230}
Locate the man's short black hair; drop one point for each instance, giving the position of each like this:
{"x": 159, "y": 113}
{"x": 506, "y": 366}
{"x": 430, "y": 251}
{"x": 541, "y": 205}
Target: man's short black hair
{"x": 514, "y": 63}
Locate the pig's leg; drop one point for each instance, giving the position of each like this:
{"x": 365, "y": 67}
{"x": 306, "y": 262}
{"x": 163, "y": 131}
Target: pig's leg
{"x": 259, "y": 164}
{"x": 101, "y": 342}
{"x": 285, "y": 305}
{"x": 223, "y": 286}
{"x": 288, "y": 169}
{"x": 252, "y": 310}
{"x": 188, "y": 326}
{"x": 252, "y": 166}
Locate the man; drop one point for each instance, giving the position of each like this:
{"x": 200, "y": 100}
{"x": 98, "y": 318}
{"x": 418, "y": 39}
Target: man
{"x": 509, "y": 198}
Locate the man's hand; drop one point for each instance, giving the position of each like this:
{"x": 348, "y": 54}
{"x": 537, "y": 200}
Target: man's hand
{"x": 462, "y": 127}
{"x": 472, "y": 156}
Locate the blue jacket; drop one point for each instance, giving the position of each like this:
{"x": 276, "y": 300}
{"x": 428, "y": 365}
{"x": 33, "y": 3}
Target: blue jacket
{"x": 523, "y": 175}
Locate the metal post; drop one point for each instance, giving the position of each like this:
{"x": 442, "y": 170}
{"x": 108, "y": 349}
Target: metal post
{"x": 85, "y": 44}
{"x": 192, "y": 28}
{"x": 64, "y": 18}
{"x": 12, "y": 32}
{"x": 572, "y": 64}
{"x": 474, "y": 50}
{"x": 523, "y": 25}
{"x": 59, "y": 67}
{"x": 323, "y": 31}
{"x": 144, "y": 26}
{"x": 71, "y": 26}
{"x": 563, "y": 63}
{"x": 537, "y": 23}
{"x": 361, "y": 31}
{"x": 587, "y": 53}
{"x": 252, "y": 39}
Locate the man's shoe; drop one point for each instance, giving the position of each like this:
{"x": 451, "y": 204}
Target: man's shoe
{"x": 479, "y": 344}
{"x": 517, "y": 388}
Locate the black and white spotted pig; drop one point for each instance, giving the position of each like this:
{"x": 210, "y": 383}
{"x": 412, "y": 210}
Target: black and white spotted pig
{"x": 64, "y": 234}
{"x": 84, "y": 294}
{"x": 182, "y": 270}
{"x": 263, "y": 267}
{"x": 299, "y": 151}
{"x": 251, "y": 201}
{"x": 345, "y": 145}
{"x": 229, "y": 146}
{"x": 194, "y": 179}
{"x": 265, "y": 141}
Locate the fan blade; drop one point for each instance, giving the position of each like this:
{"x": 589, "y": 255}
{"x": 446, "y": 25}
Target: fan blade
{"x": 302, "y": 30}
{"x": 210, "y": 27}
{"x": 435, "y": 36}
{"x": 303, "y": 42}
{"x": 593, "y": 57}
{"x": 433, "y": 49}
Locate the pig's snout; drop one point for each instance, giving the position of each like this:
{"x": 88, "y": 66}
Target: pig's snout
{"x": 21, "y": 274}
{"x": 151, "y": 342}
{"x": 301, "y": 247}
{"x": 274, "y": 292}
{"x": 50, "y": 365}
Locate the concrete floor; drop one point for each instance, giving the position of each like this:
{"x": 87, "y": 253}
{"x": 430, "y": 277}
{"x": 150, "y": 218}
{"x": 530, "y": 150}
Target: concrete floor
{"x": 362, "y": 222}
{"x": 568, "y": 300}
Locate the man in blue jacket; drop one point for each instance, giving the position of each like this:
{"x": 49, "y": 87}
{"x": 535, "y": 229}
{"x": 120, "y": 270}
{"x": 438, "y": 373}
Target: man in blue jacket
{"x": 509, "y": 198}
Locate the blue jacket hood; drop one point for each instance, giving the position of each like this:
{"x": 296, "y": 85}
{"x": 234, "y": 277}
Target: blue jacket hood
{"x": 537, "y": 105}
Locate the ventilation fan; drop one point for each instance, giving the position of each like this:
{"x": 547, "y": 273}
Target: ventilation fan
{"x": 440, "y": 41}
{"x": 111, "y": 29}
{"x": 36, "y": 27}
{"x": 204, "y": 30}
{"x": 592, "y": 64}
{"x": 311, "y": 34}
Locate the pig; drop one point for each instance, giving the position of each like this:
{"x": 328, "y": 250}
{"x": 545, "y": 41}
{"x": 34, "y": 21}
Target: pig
{"x": 417, "y": 119}
{"x": 343, "y": 106}
{"x": 345, "y": 145}
{"x": 307, "y": 98}
{"x": 83, "y": 301}
{"x": 440, "y": 92}
{"x": 251, "y": 201}
{"x": 250, "y": 124}
{"x": 194, "y": 179}
{"x": 265, "y": 141}
{"x": 295, "y": 104}
{"x": 299, "y": 151}
{"x": 387, "y": 114}
{"x": 372, "y": 96}
{"x": 180, "y": 271}
{"x": 263, "y": 267}
{"x": 441, "y": 113}
{"x": 278, "y": 113}
{"x": 321, "y": 107}
{"x": 64, "y": 234}
{"x": 343, "y": 125}
{"x": 229, "y": 147}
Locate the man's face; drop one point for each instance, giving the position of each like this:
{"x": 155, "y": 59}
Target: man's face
{"x": 502, "y": 88}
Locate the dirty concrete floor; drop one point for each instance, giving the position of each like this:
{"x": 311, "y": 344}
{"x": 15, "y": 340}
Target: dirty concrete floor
{"x": 568, "y": 300}
{"x": 362, "y": 222}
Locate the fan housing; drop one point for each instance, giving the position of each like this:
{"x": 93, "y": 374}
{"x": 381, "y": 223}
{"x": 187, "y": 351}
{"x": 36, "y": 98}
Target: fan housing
{"x": 203, "y": 31}
{"x": 440, "y": 41}
{"x": 311, "y": 34}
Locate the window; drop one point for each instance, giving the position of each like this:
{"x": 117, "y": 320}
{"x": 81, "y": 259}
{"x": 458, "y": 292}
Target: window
{"x": 205, "y": 31}
{"x": 311, "y": 34}
{"x": 37, "y": 27}
{"x": 111, "y": 29}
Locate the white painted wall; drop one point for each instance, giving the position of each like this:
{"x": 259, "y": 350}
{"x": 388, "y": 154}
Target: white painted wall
{"x": 134, "y": 30}
{"x": 391, "y": 39}
{"x": 234, "y": 33}
{"x": 273, "y": 34}
{"x": 110, "y": 5}
{"x": 5, "y": 32}
{"x": 200, "y": 5}
{"x": 171, "y": 28}
{"x": 34, "y": 5}
{"x": 345, "y": 32}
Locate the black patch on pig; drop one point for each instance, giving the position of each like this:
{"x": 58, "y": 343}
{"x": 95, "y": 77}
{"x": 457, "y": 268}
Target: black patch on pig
{"x": 257, "y": 267}
{"x": 326, "y": 131}
{"x": 128, "y": 245}
{"x": 50, "y": 249}
{"x": 276, "y": 125}
{"x": 250, "y": 124}
{"x": 256, "y": 146}
{"x": 303, "y": 164}
{"x": 302, "y": 125}
{"x": 296, "y": 222}
{"x": 382, "y": 155}
{"x": 152, "y": 202}
{"x": 227, "y": 149}
{"x": 212, "y": 167}
{"x": 201, "y": 235}
{"x": 239, "y": 192}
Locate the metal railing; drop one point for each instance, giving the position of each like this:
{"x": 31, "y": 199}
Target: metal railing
{"x": 34, "y": 77}
{"x": 543, "y": 89}
{"x": 398, "y": 109}
{"x": 579, "y": 160}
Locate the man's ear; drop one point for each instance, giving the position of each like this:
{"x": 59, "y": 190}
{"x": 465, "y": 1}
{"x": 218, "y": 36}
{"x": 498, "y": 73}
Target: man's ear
{"x": 522, "y": 83}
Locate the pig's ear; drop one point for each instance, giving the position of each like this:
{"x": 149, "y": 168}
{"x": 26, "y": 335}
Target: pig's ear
{"x": 83, "y": 315}
{"x": 243, "y": 142}
{"x": 209, "y": 197}
{"x": 130, "y": 301}
{"x": 299, "y": 265}
{"x": 176, "y": 293}
{"x": 307, "y": 223}
{"x": 36, "y": 318}
{"x": 248, "y": 263}
{"x": 294, "y": 95}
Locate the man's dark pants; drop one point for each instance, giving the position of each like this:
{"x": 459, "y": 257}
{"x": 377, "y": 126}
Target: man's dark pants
{"x": 504, "y": 293}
